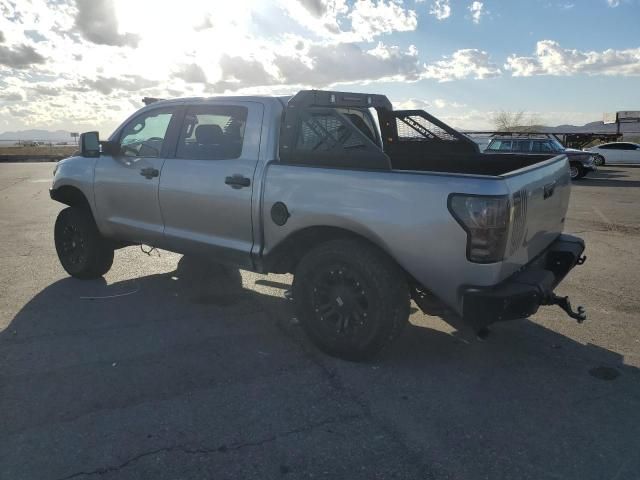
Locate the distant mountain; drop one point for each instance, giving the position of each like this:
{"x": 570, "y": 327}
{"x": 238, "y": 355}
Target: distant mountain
{"x": 44, "y": 135}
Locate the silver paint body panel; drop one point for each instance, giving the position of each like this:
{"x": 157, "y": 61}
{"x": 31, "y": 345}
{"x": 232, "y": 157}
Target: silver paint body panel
{"x": 404, "y": 212}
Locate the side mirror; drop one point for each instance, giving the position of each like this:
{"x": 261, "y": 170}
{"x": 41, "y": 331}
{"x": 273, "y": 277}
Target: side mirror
{"x": 111, "y": 148}
{"x": 90, "y": 144}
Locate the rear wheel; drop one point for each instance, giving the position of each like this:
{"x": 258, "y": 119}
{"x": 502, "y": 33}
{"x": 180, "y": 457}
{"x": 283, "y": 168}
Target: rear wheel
{"x": 576, "y": 171}
{"x": 82, "y": 251}
{"x": 350, "y": 298}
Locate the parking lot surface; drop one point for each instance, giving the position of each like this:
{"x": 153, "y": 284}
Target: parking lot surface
{"x": 170, "y": 368}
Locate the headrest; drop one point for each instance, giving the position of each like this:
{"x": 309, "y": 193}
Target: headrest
{"x": 209, "y": 134}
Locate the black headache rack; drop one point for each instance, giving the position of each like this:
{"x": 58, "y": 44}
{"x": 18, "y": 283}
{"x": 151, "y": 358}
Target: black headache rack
{"x": 327, "y": 128}
{"x": 325, "y": 98}
{"x": 319, "y": 129}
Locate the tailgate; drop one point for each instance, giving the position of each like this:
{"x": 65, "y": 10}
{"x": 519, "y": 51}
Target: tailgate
{"x": 540, "y": 196}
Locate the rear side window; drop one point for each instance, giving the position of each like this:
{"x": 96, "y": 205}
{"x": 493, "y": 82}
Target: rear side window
{"x": 505, "y": 146}
{"x": 611, "y": 146}
{"x": 521, "y": 146}
{"x": 543, "y": 146}
{"x": 212, "y": 132}
{"x": 627, "y": 146}
{"x": 500, "y": 145}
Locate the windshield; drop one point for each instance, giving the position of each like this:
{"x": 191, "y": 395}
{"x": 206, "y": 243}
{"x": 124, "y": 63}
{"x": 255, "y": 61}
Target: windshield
{"x": 557, "y": 146}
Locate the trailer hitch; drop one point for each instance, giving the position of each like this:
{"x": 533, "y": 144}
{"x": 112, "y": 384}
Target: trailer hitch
{"x": 564, "y": 303}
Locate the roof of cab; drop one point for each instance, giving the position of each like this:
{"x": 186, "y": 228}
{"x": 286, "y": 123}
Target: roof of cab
{"x": 236, "y": 98}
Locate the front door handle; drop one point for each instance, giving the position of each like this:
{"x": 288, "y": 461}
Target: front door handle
{"x": 149, "y": 172}
{"x": 237, "y": 181}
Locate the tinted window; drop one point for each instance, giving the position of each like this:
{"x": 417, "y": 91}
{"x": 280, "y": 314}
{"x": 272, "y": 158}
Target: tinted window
{"x": 521, "y": 146}
{"x": 627, "y": 146}
{"x": 501, "y": 145}
{"x": 144, "y": 135}
{"x": 545, "y": 146}
{"x": 610, "y": 146}
{"x": 212, "y": 132}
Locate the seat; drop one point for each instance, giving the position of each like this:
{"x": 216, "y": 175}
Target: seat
{"x": 209, "y": 134}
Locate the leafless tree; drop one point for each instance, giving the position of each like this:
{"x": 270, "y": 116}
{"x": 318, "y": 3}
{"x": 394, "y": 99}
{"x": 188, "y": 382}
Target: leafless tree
{"x": 515, "y": 121}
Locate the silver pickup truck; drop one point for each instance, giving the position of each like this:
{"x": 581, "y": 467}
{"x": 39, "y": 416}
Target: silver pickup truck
{"x": 367, "y": 206}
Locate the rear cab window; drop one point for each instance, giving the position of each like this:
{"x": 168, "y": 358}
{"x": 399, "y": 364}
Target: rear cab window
{"x": 334, "y": 137}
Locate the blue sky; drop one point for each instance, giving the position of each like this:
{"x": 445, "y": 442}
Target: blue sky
{"x": 80, "y": 64}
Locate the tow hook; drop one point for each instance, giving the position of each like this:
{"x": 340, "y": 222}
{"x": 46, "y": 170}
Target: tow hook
{"x": 564, "y": 303}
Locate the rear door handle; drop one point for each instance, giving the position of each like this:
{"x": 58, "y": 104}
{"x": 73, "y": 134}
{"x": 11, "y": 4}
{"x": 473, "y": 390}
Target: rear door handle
{"x": 149, "y": 172}
{"x": 237, "y": 181}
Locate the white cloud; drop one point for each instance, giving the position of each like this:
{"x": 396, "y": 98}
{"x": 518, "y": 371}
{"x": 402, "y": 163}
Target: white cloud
{"x": 466, "y": 63}
{"x": 420, "y": 104}
{"x": 362, "y": 21}
{"x": 440, "y": 9}
{"x": 551, "y": 59}
{"x": 613, "y": 3}
{"x": 20, "y": 56}
{"x": 320, "y": 65}
{"x": 370, "y": 19}
{"x": 476, "y": 9}
{"x": 96, "y": 20}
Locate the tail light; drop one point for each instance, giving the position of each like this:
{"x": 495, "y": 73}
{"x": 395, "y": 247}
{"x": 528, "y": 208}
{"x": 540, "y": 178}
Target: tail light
{"x": 486, "y": 220}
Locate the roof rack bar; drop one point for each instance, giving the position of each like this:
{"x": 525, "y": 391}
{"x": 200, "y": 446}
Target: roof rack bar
{"x": 150, "y": 100}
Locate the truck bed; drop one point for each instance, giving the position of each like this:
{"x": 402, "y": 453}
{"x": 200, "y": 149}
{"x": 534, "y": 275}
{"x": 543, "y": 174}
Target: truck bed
{"x": 413, "y": 157}
{"x": 405, "y": 212}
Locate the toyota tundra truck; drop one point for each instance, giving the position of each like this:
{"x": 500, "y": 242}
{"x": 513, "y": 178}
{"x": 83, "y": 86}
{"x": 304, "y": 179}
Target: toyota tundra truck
{"x": 365, "y": 205}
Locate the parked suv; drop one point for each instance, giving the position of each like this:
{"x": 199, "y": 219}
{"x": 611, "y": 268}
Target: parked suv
{"x": 580, "y": 163}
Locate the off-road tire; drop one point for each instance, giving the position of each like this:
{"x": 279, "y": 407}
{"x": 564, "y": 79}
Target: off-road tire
{"x": 82, "y": 251}
{"x": 369, "y": 280}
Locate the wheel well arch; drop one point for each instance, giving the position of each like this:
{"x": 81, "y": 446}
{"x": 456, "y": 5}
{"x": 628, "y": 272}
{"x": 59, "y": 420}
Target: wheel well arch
{"x": 285, "y": 256}
{"x": 72, "y": 196}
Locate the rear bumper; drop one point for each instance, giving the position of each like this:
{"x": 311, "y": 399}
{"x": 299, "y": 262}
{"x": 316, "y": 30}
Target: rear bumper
{"x": 521, "y": 294}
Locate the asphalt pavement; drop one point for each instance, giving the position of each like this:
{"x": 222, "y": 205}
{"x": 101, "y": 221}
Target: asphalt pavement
{"x": 171, "y": 368}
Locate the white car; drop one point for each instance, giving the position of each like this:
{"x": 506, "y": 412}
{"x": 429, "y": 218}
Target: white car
{"x": 616, "y": 152}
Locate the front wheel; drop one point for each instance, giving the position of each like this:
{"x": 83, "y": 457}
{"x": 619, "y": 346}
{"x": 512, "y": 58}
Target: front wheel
{"x": 598, "y": 160}
{"x": 82, "y": 251}
{"x": 350, "y": 298}
{"x": 576, "y": 171}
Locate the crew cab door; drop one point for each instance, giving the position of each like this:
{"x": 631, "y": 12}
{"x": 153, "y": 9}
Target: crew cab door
{"x": 126, "y": 185}
{"x": 206, "y": 190}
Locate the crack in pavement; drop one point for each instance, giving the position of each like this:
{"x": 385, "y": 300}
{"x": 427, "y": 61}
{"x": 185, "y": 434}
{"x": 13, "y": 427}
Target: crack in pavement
{"x": 206, "y": 451}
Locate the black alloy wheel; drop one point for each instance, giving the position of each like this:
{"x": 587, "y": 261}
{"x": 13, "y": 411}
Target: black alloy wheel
{"x": 351, "y": 298}
{"x": 82, "y": 251}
